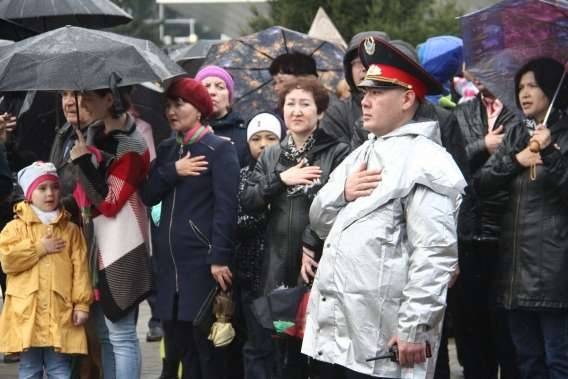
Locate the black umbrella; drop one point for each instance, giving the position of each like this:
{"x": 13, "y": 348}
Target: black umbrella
{"x": 12, "y": 31}
{"x": 44, "y": 15}
{"x": 191, "y": 57}
{"x": 81, "y": 59}
{"x": 149, "y": 103}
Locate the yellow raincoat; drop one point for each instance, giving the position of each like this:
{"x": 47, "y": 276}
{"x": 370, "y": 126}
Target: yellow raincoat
{"x": 42, "y": 292}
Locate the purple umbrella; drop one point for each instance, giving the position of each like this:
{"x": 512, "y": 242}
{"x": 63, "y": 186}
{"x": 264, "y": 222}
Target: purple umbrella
{"x": 499, "y": 39}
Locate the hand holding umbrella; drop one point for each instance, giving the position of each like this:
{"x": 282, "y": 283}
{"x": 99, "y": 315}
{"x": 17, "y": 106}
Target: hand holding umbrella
{"x": 80, "y": 148}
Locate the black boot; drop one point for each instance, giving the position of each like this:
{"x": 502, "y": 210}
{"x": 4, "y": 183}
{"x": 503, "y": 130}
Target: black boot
{"x": 169, "y": 370}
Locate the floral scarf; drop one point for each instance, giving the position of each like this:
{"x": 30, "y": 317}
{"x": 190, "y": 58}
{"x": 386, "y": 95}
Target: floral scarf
{"x": 295, "y": 154}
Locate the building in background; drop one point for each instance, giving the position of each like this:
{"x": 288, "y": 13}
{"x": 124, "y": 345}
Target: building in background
{"x": 189, "y": 20}
{"x": 212, "y": 19}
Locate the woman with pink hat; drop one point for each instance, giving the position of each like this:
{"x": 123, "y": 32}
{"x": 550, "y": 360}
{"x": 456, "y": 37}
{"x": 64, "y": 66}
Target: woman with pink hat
{"x": 225, "y": 121}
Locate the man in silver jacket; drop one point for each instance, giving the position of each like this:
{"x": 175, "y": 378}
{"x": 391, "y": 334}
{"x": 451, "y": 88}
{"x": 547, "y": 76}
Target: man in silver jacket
{"x": 390, "y": 247}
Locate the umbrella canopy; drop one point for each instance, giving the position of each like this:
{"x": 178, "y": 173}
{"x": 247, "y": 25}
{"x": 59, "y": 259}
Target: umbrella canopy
{"x": 43, "y": 15}
{"x": 80, "y": 59}
{"x": 149, "y": 103}
{"x": 248, "y": 59}
{"x": 12, "y": 31}
{"x": 499, "y": 39}
{"x": 191, "y": 57}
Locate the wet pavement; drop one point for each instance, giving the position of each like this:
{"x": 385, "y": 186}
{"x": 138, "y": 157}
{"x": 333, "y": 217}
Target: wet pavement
{"x": 152, "y": 364}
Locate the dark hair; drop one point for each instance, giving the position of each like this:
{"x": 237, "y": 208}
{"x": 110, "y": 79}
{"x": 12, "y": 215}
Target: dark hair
{"x": 547, "y": 73}
{"x": 118, "y": 108}
{"x": 312, "y": 85}
{"x": 294, "y": 63}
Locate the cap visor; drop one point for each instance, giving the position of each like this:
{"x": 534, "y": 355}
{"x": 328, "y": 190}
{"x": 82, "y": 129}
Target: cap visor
{"x": 367, "y": 83}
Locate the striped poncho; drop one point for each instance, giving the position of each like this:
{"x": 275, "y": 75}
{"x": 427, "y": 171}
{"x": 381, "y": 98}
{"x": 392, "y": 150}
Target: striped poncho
{"x": 119, "y": 219}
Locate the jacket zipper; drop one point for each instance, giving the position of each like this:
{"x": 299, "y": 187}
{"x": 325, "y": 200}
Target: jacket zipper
{"x": 201, "y": 236}
{"x": 170, "y": 230}
{"x": 521, "y": 180}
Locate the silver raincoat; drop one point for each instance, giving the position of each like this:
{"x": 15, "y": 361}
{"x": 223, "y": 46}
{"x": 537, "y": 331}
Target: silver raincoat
{"x": 388, "y": 257}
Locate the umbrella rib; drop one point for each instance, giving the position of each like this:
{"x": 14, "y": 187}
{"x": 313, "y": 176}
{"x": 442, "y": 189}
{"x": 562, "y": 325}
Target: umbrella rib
{"x": 285, "y": 41}
{"x": 254, "y": 48}
{"x": 317, "y": 48}
{"x": 253, "y": 90}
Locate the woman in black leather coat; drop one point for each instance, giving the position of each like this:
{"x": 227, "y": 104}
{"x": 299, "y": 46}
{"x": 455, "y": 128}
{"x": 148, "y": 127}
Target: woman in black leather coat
{"x": 532, "y": 281}
{"x": 286, "y": 179}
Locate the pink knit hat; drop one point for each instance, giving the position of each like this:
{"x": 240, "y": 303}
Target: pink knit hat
{"x": 30, "y": 177}
{"x": 220, "y": 73}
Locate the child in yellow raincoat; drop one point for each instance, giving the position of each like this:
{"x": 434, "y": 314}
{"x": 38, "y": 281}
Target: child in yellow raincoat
{"x": 48, "y": 287}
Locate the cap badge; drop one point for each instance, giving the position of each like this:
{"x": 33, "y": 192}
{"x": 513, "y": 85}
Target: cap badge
{"x": 369, "y": 45}
{"x": 374, "y": 70}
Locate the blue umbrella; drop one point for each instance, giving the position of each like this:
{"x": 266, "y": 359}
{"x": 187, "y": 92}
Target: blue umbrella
{"x": 442, "y": 57}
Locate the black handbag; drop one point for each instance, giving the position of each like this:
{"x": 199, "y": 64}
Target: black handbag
{"x": 205, "y": 317}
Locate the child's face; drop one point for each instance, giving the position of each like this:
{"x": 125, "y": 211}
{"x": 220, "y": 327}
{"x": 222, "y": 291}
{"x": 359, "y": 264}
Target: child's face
{"x": 261, "y": 140}
{"x": 46, "y": 196}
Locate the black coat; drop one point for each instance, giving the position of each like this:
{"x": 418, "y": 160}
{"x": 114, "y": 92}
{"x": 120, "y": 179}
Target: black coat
{"x": 533, "y": 259}
{"x": 485, "y": 212}
{"x": 288, "y": 215}
{"x": 233, "y": 127}
{"x": 343, "y": 120}
{"x": 197, "y": 222}
{"x": 59, "y": 156}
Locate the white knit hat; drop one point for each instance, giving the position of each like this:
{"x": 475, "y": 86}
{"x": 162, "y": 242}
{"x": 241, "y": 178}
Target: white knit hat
{"x": 33, "y": 175}
{"x": 264, "y": 122}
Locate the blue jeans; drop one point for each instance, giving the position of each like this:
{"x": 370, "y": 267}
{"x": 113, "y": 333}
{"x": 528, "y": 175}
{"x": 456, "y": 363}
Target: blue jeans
{"x": 35, "y": 360}
{"x": 120, "y": 348}
{"x": 541, "y": 341}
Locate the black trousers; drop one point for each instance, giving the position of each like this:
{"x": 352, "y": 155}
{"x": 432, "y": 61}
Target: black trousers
{"x": 481, "y": 328}
{"x": 331, "y": 371}
{"x": 187, "y": 345}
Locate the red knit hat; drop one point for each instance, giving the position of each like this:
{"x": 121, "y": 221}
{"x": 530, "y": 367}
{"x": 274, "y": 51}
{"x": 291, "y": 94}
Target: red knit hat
{"x": 193, "y": 92}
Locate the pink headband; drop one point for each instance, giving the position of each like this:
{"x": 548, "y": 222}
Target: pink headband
{"x": 37, "y": 182}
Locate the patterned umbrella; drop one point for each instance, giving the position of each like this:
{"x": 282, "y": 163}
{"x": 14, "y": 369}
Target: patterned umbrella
{"x": 499, "y": 39}
{"x": 44, "y": 15}
{"x": 248, "y": 59}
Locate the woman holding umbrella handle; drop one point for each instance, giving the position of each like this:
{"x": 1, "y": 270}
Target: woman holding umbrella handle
{"x": 111, "y": 164}
{"x": 533, "y": 260}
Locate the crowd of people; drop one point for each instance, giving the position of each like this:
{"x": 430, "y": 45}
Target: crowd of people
{"x": 414, "y": 207}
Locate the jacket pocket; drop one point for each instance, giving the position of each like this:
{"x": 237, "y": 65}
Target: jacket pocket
{"x": 62, "y": 306}
{"x": 201, "y": 236}
{"x": 20, "y": 303}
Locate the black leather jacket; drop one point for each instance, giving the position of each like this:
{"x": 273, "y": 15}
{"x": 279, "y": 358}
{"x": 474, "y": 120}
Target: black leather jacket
{"x": 484, "y": 212}
{"x": 288, "y": 215}
{"x": 533, "y": 260}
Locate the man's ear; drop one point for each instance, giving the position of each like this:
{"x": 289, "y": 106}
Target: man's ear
{"x": 408, "y": 100}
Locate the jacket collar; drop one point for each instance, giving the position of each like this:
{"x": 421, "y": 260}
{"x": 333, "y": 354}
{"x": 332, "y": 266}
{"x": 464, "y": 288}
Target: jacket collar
{"x": 24, "y": 212}
{"x": 428, "y": 129}
{"x": 231, "y": 119}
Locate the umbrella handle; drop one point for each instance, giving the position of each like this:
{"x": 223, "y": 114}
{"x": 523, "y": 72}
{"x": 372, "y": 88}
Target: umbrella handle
{"x": 534, "y": 146}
